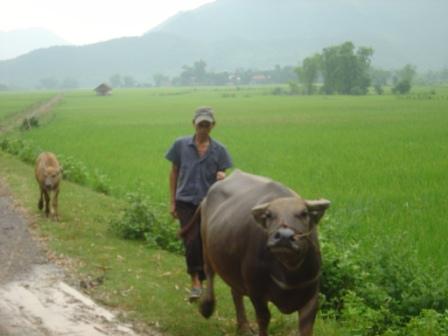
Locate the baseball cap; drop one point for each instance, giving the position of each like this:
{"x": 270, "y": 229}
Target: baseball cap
{"x": 204, "y": 114}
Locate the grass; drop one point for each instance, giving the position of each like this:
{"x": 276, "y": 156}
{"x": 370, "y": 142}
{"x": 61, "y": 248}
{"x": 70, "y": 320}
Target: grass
{"x": 15, "y": 102}
{"x": 148, "y": 285}
{"x": 380, "y": 159}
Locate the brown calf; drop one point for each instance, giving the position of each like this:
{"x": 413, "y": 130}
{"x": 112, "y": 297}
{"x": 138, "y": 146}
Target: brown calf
{"x": 48, "y": 176}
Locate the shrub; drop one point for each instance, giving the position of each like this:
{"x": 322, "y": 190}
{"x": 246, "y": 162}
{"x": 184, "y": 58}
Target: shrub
{"x": 402, "y": 87}
{"x": 29, "y": 123}
{"x": 386, "y": 285}
{"x": 379, "y": 89}
{"x": 358, "y": 91}
{"x": 278, "y": 91}
{"x": 137, "y": 220}
{"x": 100, "y": 182}
{"x": 74, "y": 170}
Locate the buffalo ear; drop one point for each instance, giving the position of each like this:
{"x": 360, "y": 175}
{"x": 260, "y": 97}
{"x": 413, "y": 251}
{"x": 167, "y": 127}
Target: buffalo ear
{"x": 317, "y": 208}
{"x": 259, "y": 213}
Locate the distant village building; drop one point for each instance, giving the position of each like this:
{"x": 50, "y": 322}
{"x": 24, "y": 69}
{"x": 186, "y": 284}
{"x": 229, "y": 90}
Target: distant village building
{"x": 259, "y": 79}
{"x": 103, "y": 89}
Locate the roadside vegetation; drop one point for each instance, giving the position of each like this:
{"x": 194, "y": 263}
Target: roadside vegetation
{"x": 379, "y": 159}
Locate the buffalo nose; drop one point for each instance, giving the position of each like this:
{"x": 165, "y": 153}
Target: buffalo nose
{"x": 284, "y": 234}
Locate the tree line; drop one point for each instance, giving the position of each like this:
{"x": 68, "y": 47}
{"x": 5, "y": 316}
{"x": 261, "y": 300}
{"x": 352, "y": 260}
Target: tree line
{"x": 340, "y": 69}
{"x": 345, "y": 69}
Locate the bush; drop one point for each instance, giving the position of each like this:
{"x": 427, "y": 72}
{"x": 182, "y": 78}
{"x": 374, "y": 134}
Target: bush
{"x": 137, "y": 220}
{"x": 74, "y": 170}
{"x": 378, "y": 89}
{"x": 387, "y": 286}
{"x": 29, "y": 123}
{"x": 358, "y": 91}
{"x": 100, "y": 182}
{"x": 402, "y": 87}
{"x": 278, "y": 91}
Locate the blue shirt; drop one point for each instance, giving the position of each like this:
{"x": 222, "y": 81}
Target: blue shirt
{"x": 196, "y": 174}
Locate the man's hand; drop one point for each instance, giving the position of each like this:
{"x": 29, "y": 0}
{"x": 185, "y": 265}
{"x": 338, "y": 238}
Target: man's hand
{"x": 220, "y": 175}
{"x": 173, "y": 211}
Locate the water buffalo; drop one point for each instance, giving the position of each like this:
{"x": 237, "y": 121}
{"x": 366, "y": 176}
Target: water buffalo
{"x": 48, "y": 176}
{"x": 261, "y": 238}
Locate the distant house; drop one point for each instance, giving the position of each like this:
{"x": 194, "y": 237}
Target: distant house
{"x": 103, "y": 89}
{"x": 259, "y": 79}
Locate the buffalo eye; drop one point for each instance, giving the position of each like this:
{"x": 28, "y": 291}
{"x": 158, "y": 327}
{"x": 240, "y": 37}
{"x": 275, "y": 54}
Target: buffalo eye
{"x": 267, "y": 215}
{"x": 302, "y": 215}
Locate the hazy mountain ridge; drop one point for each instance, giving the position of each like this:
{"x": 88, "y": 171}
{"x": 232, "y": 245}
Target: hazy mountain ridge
{"x": 230, "y": 34}
{"x": 18, "y": 42}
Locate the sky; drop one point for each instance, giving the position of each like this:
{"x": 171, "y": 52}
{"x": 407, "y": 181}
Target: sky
{"x": 88, "y": 21}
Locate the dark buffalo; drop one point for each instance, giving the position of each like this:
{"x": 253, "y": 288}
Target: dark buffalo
{"x": 261, "y": 238}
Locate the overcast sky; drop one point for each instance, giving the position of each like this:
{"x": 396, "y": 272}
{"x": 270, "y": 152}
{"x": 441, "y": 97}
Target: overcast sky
{"x": 88, "y": 21}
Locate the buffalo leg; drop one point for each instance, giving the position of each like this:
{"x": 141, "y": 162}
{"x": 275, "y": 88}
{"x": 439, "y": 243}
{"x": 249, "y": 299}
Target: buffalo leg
{"x": 55, "y": 204}
{"x": 47, "y": 203}
{"x": 263, "y": 315}
{"x": 207, "y": 304}
{"x": 241, "y": 318}
{"x": 40, "y": 204}
{"x": 307, "y": 315}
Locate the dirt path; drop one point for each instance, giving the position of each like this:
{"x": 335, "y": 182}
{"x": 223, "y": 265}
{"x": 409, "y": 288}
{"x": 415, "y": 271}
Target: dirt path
{"x": 34, "y": 298}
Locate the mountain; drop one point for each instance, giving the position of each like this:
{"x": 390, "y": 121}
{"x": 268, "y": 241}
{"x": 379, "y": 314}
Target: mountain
{"x": 18, "y": 42}
{"x": 256, "y": 34}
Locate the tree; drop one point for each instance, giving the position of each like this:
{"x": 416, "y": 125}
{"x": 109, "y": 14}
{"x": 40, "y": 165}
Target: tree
{"x": 129, "y": 81}
{"x": 199, "y": 73}
{"x": 403, "y": 79}
{"x": 161, "y": 80}
{"x": 309, "y": 72}
{"x": 116, "y": 81}
{"x": 49, "y": 83}
{"x": 344, "y": 70}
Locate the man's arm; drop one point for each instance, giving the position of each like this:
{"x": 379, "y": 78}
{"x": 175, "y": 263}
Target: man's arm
{"x": 174, "y": 173}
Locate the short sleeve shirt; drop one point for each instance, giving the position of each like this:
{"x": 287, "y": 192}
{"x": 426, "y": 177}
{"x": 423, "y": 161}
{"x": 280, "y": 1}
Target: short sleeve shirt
{"x": 196, "y": 174}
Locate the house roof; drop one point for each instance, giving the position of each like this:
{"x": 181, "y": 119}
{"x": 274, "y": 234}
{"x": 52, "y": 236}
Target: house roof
{"x": 103, "y": 87}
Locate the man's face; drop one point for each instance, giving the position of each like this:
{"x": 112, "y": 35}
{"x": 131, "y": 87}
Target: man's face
{"x": 204, "y": 127}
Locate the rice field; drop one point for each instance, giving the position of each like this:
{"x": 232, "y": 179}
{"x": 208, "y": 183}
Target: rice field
{"x": 16, "y": 102}
{"x": 381, "y": 160}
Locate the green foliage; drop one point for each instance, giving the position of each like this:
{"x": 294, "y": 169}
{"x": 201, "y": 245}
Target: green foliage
{"x": 344, "y": 70}
{"x": 140, "y": 220}
{"x": 386, "y": 289}
{"x": 137, "y": 220}
{"x": 101, "y": 182}
{"x": 29, "y": 123}
{"x": 378, "y": 89}
{"x": 309, "y": 72}
{"x": 428, "y": 323}
{"x": 74, "y": 170}
{"x": 23, "y": 149}
{"x": 402, "y": 87}
{"x": 403, "y": 79}
{"x": 372, "y": 156}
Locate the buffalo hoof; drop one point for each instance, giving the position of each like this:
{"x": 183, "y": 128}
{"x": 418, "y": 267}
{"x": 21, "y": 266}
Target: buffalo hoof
{"x": 207, "y": 308}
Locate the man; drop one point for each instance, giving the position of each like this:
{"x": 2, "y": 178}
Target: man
{"x": 198, "y": 161}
